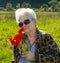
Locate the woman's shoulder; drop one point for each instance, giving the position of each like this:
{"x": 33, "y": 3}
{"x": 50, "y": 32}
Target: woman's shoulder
{"x": 42, "y": 32}
{"x": 45, "y": 34}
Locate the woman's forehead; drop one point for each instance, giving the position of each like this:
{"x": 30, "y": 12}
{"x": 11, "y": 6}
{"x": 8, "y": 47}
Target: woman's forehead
{"x": 23, "y": 17}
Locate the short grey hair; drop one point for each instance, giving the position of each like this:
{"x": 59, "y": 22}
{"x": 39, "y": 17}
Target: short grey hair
{"x": 19, "y": 12}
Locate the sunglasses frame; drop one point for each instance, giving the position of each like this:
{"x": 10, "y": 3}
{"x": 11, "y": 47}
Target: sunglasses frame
{"x": 26, "y": 21}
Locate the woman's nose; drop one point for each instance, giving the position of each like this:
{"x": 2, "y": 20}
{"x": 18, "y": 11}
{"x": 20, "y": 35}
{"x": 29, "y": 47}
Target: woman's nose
{"x": 23, "y": 24}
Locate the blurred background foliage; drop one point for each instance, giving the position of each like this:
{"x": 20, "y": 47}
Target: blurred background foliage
{"x": 43, "y": 5}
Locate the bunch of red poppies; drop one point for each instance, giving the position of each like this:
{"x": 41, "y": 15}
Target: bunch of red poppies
{"x": 17, "y": 37}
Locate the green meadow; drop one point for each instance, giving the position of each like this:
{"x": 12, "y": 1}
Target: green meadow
{"x": 46, "y": 21}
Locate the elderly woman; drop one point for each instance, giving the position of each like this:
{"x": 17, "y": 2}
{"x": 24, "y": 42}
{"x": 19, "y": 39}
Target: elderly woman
{"x": 42, "y": 47}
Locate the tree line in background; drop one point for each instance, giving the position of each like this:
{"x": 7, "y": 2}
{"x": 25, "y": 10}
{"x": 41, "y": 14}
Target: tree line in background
{"x": 43, "y": 5}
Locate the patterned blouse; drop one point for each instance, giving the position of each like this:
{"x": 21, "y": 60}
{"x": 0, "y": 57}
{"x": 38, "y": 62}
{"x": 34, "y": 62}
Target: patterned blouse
{"x": 46, "y": 49}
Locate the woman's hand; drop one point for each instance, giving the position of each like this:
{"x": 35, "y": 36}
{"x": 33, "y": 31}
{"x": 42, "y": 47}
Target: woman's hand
{"x": 29, "y": 55}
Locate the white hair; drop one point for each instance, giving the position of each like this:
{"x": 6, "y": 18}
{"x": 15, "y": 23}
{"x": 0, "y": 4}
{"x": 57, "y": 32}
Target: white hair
{"x": 19, "y": 12}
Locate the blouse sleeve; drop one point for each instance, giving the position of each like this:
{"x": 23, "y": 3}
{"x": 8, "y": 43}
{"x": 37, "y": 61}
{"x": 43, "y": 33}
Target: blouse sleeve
{"x": 49, "y": 53}
{"x": 17, "y": 55}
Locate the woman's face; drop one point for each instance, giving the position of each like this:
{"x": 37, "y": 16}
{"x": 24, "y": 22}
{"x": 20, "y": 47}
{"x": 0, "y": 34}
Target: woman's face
{"x": 27, "y": 27}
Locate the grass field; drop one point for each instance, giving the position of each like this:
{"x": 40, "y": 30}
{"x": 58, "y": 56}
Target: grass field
{"x": 47, "y": 21}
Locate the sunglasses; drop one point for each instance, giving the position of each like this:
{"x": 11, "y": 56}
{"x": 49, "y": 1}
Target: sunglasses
{"x": 27, "y": 21}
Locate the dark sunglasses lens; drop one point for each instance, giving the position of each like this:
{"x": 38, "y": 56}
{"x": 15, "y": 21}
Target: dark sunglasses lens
{"x": 20, "y": 24}
{"x": 27, "y": 21}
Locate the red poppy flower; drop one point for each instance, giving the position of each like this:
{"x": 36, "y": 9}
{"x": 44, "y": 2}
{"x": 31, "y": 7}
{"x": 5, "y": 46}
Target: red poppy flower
{"x": 12, "y": 41}
{"x": 21, "y": 29}
{"x": 17, "y": 37}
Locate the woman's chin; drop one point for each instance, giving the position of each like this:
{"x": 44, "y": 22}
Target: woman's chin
{"x": 26, "y": 31}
